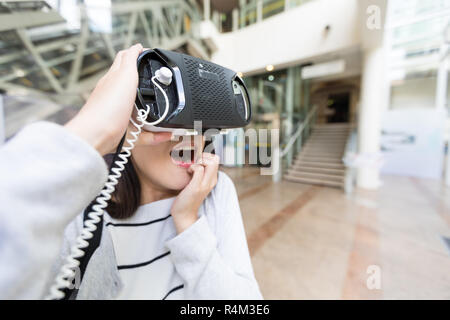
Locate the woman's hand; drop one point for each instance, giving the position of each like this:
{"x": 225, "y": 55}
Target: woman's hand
{"x": 204, "y": 177}
{"x": 104, "y": 118}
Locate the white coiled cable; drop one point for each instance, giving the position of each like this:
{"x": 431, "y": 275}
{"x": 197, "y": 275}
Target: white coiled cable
{"x": 67, "y": 272}
{"x": 166, "y": 110}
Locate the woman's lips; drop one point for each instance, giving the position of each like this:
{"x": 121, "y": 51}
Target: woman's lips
{"x": 183, "y": 155}
{"x": 183, "y": 164}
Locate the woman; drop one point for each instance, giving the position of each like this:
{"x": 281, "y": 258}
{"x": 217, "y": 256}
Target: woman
{"x": 172, "y": 231}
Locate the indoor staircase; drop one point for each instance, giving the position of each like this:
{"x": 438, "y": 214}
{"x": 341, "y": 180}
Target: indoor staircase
{"x": 320, "y": 160}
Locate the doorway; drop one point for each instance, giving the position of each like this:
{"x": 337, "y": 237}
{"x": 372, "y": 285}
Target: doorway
{"x": 338, "y": 108}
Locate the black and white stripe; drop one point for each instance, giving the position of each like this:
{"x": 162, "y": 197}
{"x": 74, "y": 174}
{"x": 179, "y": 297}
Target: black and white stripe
{"x": 112, "y": 224}
{"x": 143, "y": 260}
{"x": 172, "y": 291}
{"x": 143, "y": 264}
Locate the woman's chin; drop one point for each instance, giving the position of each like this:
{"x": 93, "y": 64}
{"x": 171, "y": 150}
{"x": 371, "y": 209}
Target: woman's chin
{"x": 180, "y": 177}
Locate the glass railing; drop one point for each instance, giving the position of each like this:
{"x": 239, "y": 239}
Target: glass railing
{"x": 262, "y": 9}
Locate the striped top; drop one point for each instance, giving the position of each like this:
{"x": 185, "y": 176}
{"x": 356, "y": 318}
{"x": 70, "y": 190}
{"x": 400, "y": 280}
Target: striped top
{"x": 208, "y": 260}
{"x": 143, "y": 260}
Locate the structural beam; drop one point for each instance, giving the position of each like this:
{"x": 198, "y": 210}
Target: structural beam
{"x": 38, "y": 59}
{"x": 12, "y": 21}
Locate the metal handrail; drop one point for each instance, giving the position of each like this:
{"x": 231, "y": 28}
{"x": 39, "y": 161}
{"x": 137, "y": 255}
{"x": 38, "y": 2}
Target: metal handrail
{"x": 298, "y": 132}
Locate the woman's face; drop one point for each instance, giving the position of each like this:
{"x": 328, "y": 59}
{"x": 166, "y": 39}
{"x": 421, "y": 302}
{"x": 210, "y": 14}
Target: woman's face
{"x": 165, "y": 165}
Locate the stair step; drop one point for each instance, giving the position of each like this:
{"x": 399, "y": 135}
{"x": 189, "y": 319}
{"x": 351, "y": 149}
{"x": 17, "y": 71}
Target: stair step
{"x": 313, "y": 175}
{"x": 326, "y": 142}
{"x": 333, "y": 125}
{"x": 324, "y": 160}
{"x": 319, "y": 165}
{"x": 319, "y": 131}
{"x": 315, "y": 181}
{"x": 318, "y": 157}
{"x": 322, "y": 153}
{"x": 340, "y": 132}
{"x": 323, "y": 138}
{"x": 309, "y": 155}
{"x": 320, "y": 160}
{"x": 329, "y": 136}
{"x": 319, "y": 170}
{"x": 343, "y": 128}
{"x": 325, "y": 146}
{"x": 324, "y": 149}
{"x": 329, "y": 133}
{"x": 332, "y": 147}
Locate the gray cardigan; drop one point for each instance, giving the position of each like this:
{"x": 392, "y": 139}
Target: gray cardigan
{"x": 48, "y": 175}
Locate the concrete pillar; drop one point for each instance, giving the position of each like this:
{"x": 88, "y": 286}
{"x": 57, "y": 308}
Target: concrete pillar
{"x": 235, "y": 15}
{"x": 290, "y": 81}
{"x": 216, "y": 20}
{"x": 373, "y": 85}
{"x": 206, "y": 10}
{"x": 259, "y": 10}
{"x": 442, "y": 80}
{"x": 2, "y": 122}
{"x": 298, "y": 98}
{"x": 242, "y": 13}
{"x": 287, "y": 5}
{"x": 441, "y": 97}
{"x": 240, "y": 147}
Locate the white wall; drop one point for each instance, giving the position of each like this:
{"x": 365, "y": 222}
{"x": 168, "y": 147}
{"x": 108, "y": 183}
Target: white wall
{"x": 414, "y": 93}
{"x": 292, "y": 37}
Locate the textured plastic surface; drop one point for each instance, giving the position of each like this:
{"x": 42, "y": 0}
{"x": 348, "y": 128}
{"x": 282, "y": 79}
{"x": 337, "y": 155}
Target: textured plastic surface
{"x": 207, "y": 91}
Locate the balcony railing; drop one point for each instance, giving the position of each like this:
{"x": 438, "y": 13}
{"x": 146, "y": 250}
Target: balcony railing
{"x": 247, "y": 13}
{"x": 258, "y": 10}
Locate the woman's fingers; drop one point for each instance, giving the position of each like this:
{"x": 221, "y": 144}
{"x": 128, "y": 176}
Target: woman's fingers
{"x": 130, "y": 56}
{"x": 117, "y": 60}
{"x": 197, "y": 171}
{"x": 211, "y": 164}
{"x": 127, "y": 55}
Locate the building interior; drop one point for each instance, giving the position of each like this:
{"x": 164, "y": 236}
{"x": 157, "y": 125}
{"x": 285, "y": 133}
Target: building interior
{"x": 357, "y": 89}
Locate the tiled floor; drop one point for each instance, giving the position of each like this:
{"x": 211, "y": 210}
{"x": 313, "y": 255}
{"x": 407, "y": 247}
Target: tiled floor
{"x": 311, "y": 242}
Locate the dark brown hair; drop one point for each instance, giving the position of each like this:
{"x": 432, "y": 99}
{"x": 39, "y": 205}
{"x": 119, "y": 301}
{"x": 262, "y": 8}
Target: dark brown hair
{"x": 127, "y": 196}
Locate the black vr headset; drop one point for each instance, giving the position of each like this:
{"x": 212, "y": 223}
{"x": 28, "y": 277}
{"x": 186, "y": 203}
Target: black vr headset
{"x": 178, "y": 89}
